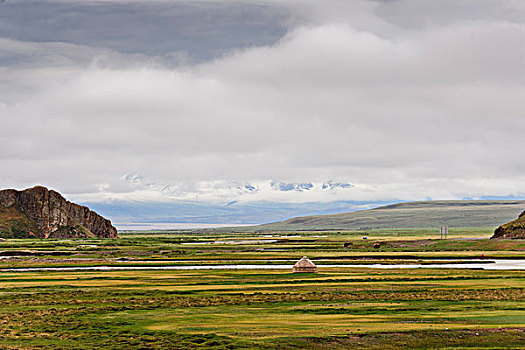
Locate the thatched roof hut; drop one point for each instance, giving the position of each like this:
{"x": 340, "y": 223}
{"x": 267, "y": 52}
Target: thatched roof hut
{"x": 304, "y": 265}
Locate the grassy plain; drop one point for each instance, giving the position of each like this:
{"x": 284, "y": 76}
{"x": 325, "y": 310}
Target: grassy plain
{"x": 337, "y": 308}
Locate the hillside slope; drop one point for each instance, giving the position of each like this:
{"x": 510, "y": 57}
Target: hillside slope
{"x": 514, "y": 229}
{"x": 41, "y": 213}
{"x": 411, "y": 215}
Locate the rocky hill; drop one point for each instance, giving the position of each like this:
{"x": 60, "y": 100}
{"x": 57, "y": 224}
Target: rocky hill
{"x": 514, "y": 229}
{"x": 41, "y": 213}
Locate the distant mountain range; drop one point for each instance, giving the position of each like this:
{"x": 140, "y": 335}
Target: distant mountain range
{"x": 312, "y": 216}
{"x": 460, "y": 213}
{"x": 306, "y": 186}
{"x": 123, "y": 213}
{"x": 221, "y": 192}
{"x": 311, "y": 205}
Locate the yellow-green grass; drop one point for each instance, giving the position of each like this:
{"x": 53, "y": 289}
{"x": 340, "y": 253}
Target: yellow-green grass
{"x": 259, "y": 309}
{"x": 268, "y": 309}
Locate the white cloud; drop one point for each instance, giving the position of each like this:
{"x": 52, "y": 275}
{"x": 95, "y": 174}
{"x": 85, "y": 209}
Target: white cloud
{"x": 404, "y": 114}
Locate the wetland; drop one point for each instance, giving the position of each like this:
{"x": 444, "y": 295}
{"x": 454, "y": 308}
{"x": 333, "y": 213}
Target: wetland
{"x": 156, "y": 290}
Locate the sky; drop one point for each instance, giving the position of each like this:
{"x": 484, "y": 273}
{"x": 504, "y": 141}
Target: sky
{"x": 252, "y": 111}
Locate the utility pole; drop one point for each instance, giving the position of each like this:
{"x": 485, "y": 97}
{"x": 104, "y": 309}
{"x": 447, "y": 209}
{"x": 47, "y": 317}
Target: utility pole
{"x": 443, "y": 231}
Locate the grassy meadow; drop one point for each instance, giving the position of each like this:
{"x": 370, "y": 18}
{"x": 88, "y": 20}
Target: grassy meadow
{"x": 343, "y": 307}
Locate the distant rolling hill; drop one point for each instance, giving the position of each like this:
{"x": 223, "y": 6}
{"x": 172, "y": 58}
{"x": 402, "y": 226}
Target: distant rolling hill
{"x": 459, "y": 213}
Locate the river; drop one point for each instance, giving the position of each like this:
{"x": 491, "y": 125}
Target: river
{"x": 492, "y": 264}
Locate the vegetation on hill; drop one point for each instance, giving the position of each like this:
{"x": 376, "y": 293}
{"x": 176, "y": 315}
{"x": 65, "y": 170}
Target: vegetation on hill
{"x": 409, "y": 215}
{"x": 514, "y": 229}
{"x": 14, "y": 223}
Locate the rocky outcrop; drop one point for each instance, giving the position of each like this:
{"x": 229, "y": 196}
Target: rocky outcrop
{"x": 514, "y": 229}
{"x": 42, "y": 213}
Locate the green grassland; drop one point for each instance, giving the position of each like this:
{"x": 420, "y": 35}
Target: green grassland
{"x": 344, "y": 307}
{"x": 269, "y": 309}
{"x": 209, "y": 246}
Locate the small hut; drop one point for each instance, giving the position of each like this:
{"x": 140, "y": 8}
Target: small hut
{"x": 304, "y": 265}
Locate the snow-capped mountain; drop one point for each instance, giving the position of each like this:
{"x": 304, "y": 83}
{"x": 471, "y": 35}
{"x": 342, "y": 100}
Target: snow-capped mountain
{"x": 285, "y": 187}
{"x": 141, "y": 199}
{"x": 307, "y": 186}
{"x": 227, "y": 192}
{"x": 330, "y": 185}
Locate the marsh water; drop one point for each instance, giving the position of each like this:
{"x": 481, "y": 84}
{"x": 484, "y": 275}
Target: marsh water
{"x": 489, "y": 264}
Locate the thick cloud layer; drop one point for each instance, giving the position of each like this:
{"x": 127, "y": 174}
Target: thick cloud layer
{"x": 403, "y": 99}
{"x": 196, "y": 29}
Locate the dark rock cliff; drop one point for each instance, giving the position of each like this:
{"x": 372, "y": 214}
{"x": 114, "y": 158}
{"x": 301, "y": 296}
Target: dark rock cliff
{"x": 42, "y": 213}
{"x": 514, "y": 229}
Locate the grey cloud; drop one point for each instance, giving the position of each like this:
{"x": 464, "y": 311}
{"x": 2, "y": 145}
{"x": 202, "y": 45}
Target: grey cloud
{"x": 400, "y": 113}
{"x": 414, "y": 14}
{"x": 202, "y": 29}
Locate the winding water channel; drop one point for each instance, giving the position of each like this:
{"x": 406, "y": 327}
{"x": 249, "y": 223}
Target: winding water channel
{"x": 492, "y": 264}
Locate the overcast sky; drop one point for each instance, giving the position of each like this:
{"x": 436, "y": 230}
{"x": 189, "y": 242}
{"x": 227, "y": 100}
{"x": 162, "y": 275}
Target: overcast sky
{"x": 193, "y": 100}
